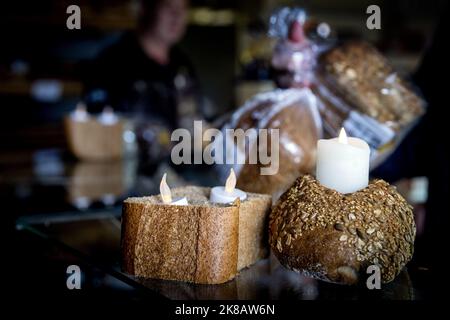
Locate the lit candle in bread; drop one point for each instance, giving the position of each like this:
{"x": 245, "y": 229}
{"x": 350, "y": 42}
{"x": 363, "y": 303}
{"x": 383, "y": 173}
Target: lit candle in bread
{"x": 343, "y": 163}
{"x": 80, "y": 114}
{"x": 108, "y": 117}
{"x": 229, "y": 193}
{"x": 166, "y": 194}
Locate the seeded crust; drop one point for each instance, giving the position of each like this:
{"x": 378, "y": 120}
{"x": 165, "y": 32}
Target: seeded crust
{"x": 360, "y": 74}
{"x": 334, "y": 237}
{"x": 200, "y": 243}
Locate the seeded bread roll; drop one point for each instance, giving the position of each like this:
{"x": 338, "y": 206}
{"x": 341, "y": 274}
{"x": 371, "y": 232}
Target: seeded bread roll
{"x": 200, "y": 243}
{"x": 334, "y": 237}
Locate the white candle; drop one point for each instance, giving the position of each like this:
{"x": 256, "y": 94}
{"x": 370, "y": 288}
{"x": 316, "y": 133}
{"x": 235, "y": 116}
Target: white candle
{"x": 107, "y": 117}
{"x": 343, "y": 163}
{"x": 228, "y": 193}
{"x": 80, "y": 114}
{"x": 180, "y": 201}
{"x": 166, "y": 194}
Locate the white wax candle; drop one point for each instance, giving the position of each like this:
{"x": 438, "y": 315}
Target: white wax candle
{"x": 220, "y": 195}
{"x": 80, "y": 114}
{"x": 107, "y": 117}
{"x": 166, "y": 194}
{"x": 343, "y": 163}
{"x": 179, "y": 202}
{"x": 228, "y": 193}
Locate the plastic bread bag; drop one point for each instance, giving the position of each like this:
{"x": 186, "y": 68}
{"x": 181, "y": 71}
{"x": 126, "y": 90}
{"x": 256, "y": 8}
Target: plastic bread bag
{"x": 294, "y": 112}
{"x": 300, "y": 40}
{"x": 357, "y": 89}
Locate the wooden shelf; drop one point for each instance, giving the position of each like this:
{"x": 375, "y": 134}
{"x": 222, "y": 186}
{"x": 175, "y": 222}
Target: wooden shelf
{"x": 22, "y": 87}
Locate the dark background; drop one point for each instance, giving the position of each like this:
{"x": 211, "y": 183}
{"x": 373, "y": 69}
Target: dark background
{"x": 224, "y": 38}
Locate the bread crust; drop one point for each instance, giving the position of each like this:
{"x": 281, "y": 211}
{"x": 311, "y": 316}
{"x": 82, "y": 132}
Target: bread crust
{"x": 188, "y": 243}
{"x": 253, "y": 226}
{"x": 360, "y": 75}
{"x": 131, "y": 216}
{"x": 199, "y": 243}
{"x": 335, "y": 237}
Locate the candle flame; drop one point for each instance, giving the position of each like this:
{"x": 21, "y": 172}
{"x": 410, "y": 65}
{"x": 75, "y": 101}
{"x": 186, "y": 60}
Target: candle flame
{"x": 230, "y": 184}
{"x": 164, "y": 190}
{"x": 81, "y": 108}
{"x": 343, "y": 137}
{"x": 108, "y": 110}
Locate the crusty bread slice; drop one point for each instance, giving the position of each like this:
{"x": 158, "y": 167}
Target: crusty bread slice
{"x": 201, "y": 243}
{"x": 253, "y": 226}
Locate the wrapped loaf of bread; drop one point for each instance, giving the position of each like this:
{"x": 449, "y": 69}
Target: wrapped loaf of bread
{"x": 366, "y": 80}
{"x": 200, "y": 243}
{"x": 334, "y": 237}
{"x": 360, "y": 91}
{"x": 294, "y": 113}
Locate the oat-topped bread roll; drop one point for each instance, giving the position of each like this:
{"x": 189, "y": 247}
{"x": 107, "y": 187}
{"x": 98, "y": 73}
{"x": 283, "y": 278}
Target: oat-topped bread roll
{"x": 335, "y": 237}
{"x": 200, "y": 242}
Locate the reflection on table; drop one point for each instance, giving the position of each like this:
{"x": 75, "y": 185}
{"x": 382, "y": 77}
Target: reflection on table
{"x": 97, "y": 237}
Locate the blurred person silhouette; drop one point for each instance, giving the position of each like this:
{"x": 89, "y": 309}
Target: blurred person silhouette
{"x": 425, "y": 152}
{"x": 144, "y": 74}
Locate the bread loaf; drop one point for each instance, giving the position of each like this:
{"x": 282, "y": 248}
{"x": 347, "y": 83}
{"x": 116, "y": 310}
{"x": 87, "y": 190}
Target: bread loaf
{"x": 200, "y": 243}
{"x": 92, "y": 140}
{"x": 253, "y": 222}
{"x": 359, "y": 74}
{"x": 335, "y": 237}
{"x": 294, "y": 113}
